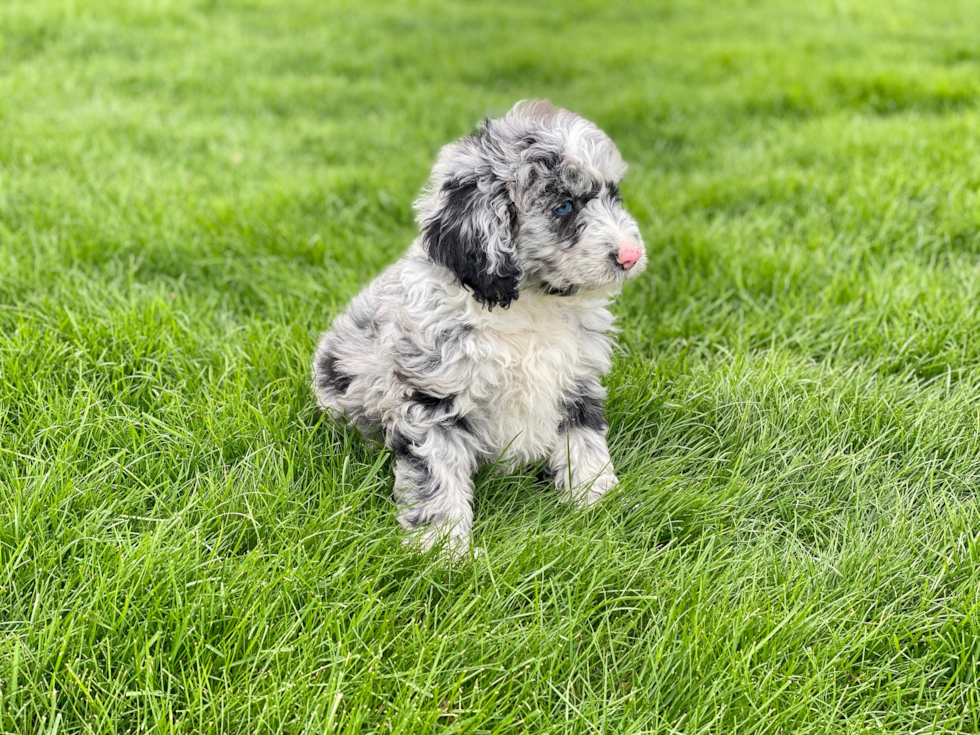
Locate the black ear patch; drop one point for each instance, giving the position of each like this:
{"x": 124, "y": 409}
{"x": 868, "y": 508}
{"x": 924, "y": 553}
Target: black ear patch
{"x": 459, "y": 237}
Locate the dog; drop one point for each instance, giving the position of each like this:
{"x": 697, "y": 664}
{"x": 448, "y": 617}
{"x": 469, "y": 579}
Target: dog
{"x": 487, "y": 340}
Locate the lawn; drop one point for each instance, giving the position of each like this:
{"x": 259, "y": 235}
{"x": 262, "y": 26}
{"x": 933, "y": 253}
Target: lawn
{"x": 191, "y": 189}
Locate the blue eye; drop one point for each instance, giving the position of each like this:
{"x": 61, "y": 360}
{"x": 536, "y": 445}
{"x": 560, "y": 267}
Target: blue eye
{"x": 564, "y": 208}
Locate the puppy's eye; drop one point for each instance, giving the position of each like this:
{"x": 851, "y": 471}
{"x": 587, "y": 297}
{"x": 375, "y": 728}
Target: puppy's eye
{"x": 564, "y": 208}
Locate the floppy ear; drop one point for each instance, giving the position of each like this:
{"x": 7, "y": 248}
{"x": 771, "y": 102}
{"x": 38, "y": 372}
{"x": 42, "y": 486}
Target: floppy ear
{"x": 467, "y": 224}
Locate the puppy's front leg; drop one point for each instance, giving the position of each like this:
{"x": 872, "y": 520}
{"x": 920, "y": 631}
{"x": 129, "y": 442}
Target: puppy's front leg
{"x": 581, "y": 463}
{"x": 434, "y": 469}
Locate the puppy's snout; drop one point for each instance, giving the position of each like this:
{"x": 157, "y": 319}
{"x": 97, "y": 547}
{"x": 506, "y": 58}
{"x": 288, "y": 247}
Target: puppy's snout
{"x": 629, "y": 254}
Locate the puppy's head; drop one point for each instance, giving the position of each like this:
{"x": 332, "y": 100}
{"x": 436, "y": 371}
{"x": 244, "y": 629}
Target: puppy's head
{"x": 531, "y": 201}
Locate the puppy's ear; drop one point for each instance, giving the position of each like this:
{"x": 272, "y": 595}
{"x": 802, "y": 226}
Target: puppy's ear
{"x": 467, "y": 222}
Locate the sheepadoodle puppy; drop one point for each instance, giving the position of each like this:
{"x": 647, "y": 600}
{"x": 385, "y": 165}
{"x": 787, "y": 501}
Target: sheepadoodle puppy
{"x": 487, "y": 340}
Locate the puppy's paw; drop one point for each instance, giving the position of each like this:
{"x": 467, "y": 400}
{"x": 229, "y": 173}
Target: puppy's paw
{"x": 451, "y": 546}
{"x": 602, "y": 485}
{"x": 591, "y": 492}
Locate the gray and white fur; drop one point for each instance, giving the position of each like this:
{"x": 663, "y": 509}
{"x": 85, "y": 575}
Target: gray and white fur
{"x": 486, "y": 341}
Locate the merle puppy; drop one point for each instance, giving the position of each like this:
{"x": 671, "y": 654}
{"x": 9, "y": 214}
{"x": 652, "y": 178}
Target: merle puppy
{"x": 487, "y": 340}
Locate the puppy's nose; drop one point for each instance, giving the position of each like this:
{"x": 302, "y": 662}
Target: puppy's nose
{"x": 629, "y": 254}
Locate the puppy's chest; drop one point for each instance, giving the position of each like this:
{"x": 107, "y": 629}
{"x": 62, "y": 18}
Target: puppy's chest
{"x": 531, "y": 364}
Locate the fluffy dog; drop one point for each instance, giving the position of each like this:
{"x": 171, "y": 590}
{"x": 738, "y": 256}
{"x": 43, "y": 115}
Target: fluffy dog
{"x": 486, "y": 341}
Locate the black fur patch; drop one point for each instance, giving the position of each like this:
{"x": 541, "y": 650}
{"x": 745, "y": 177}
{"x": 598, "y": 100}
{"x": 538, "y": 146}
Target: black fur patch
{"x": 584, "y": 412}
{"x": 442, "y": 409}
{"x": 555, "y": 291}
{"x": 328, "y": 375}
{"x": 456, "y": 240}
{"x": 431, "y": 401}
{"x": 399, "y": 444}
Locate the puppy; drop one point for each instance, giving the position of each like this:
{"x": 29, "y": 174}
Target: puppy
{"x": 486, "y": 341}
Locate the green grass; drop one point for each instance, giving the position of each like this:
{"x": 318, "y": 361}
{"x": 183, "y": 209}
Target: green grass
{"x": 190, "y": 190}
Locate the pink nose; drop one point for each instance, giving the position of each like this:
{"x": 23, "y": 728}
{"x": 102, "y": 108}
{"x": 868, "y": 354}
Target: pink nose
{"x": 629, "y": 254}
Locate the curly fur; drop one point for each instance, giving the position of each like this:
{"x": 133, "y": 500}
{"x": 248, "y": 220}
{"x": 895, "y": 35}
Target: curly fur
{"x": 486, "y": 341}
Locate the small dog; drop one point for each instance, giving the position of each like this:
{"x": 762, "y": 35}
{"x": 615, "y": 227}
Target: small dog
{"x": 486, "y": 341}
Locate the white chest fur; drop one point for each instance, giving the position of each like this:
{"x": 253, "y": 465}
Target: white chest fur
{"x": 530, "y": 357}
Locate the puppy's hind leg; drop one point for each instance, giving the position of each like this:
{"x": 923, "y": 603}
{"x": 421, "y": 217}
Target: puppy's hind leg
{"x": 434, "y": 469}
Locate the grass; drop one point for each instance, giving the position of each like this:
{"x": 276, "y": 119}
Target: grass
{"x": 190, "y": 190}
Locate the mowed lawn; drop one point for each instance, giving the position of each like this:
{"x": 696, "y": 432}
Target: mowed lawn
{"x": 190, "y": 190}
